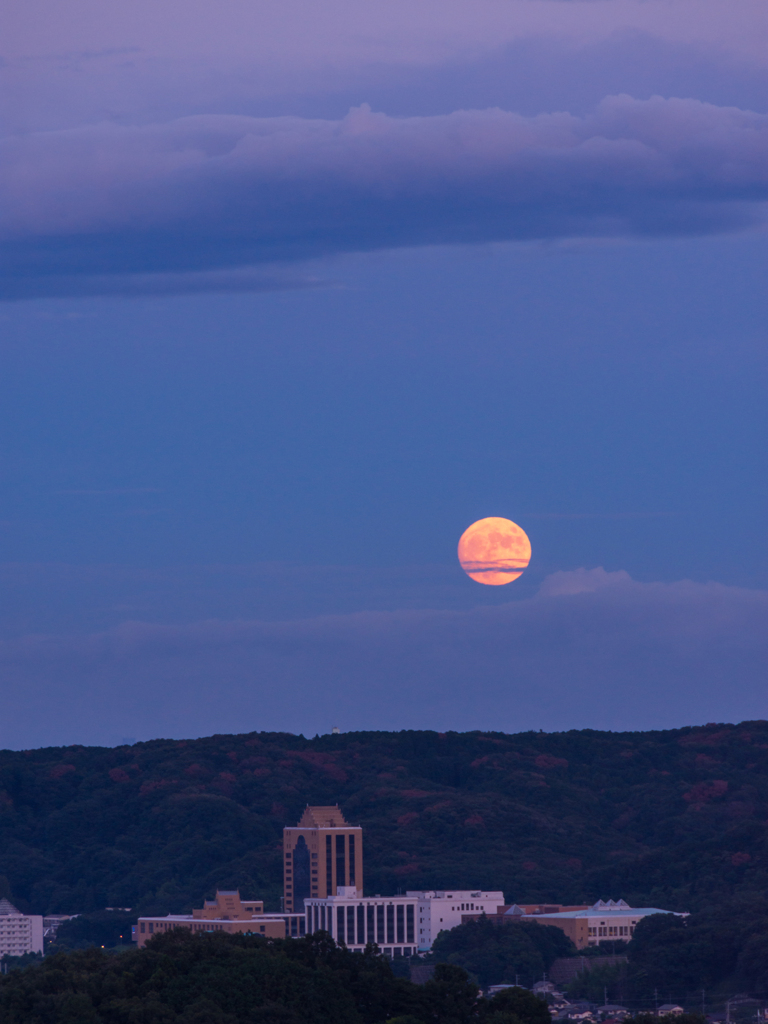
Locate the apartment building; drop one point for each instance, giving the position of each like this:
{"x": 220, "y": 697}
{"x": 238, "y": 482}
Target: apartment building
{"x": 19, "y": 933}
{"x": 320, "y": 855}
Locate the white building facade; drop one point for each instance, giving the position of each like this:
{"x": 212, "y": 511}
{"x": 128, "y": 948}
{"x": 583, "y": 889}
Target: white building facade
{"x": 19, "y": 933}
{"x": 355, "y": 920}
{"x": 440, "y": 910}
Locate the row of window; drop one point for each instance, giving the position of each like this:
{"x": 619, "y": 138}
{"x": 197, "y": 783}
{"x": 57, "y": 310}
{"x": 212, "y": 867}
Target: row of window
{"x": 361, "y": 924}
{"x": 207, "y": 926}
{"x": 344, "y": 857}
{"x": 606, "y": 931}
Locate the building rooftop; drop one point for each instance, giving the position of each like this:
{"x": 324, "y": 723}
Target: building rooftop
{"x": 606, "y": 909}
{"x": 323, "y": 817}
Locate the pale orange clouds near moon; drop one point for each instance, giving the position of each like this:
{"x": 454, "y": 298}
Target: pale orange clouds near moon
{"x": 494, "y": 551}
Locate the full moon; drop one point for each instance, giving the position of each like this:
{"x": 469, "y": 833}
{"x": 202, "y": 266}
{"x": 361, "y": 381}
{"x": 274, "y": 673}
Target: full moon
{"x": 494, "y": 551}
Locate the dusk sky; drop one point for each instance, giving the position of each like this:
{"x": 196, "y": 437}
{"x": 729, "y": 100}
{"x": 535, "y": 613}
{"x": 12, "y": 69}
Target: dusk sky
{"x": 293, "y": 293}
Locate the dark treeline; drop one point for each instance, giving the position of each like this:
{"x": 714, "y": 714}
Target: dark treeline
{"x": 493, "y": 955}
{"x": 674, "y": 819}
{"x": 719, "y": 952}
{"x": 180, "y": 978}
{"x": 715, "y": 953}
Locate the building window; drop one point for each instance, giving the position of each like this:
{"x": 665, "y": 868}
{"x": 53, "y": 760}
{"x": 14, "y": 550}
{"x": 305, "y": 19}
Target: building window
{"x": 300, "y": 874}
{"x": 371, "y": 935}
{"x": 380, "y": 924}
{"x": 329, "y": 866}
{"x": 351, "y": 860}
{"x": 351, "y": 925}
{"x": 361, "y": 924}
{"x": 390, "y": 923}
{"x": 340, "y": 924}
{"x": 341, "y": 866}
{"x": 409, "y": 924}
{"x": 142, "y": 926}
{"x": 400, "y": 922}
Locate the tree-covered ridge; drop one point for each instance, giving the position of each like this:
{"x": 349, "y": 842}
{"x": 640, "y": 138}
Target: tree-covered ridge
{"x": 660, "y": 818}
{"x": 242, "y": 979}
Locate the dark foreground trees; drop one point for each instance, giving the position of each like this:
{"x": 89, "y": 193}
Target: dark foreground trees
{"x": 180, "y": 978}
{"x": 494, "y": 954}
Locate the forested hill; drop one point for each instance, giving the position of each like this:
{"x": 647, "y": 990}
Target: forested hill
{"x": 670, "y": 819}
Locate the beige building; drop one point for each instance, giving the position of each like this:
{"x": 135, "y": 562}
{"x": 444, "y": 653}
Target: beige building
{"x": 323, "y": 853}
{"x": 227, "y": 913}
{"x": 19, "y": 933}
{"x": 604, "y": 921}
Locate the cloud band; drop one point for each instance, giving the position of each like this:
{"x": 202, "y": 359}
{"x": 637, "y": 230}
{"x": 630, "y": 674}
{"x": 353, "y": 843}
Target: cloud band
{"x": 217, "y": 191}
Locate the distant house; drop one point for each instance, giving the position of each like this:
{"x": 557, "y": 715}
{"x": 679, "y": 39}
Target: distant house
{"x": 613, "y": 1012}
{"x": 668, "y": 1009}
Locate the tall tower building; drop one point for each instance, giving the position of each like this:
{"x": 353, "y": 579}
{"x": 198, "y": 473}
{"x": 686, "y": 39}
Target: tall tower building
{"x": 320, "y": 855}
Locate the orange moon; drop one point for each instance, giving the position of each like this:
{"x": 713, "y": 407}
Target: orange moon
{"x": 494, "y": 551}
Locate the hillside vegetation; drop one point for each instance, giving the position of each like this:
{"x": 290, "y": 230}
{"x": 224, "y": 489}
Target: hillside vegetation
{"x": 674, "y": 819}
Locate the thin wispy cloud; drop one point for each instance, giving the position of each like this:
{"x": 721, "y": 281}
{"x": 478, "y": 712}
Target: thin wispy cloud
{"x": 240, "y": 279}
{"x": 598, "y": 515}
{"x": 107, "y": 491}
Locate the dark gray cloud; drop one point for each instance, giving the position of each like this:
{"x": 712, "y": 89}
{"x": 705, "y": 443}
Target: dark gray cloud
{"x": 204, "y": 193}
{"x": 590, "y": 649}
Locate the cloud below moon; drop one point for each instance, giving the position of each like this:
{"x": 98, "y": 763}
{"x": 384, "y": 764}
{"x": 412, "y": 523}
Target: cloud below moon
{"x": 592, "y": 649}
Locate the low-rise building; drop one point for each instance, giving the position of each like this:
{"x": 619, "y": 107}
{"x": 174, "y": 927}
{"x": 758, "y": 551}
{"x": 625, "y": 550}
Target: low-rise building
{"x": 400, "y": 925}
{"x": 227, "y": 913}
{"x": 354, "y": 921}
{"x": 443, "y": 909}
{"x": 19, "y": 933}
{"x": 52, "y": 923}
{"x": 602, "y": 922}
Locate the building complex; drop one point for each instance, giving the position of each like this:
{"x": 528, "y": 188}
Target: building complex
{"x": 323, "y": 891}
{"x": 584, "y": 925}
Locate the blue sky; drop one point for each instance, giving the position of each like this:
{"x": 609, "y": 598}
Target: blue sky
{"x": 267, "y": 351}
